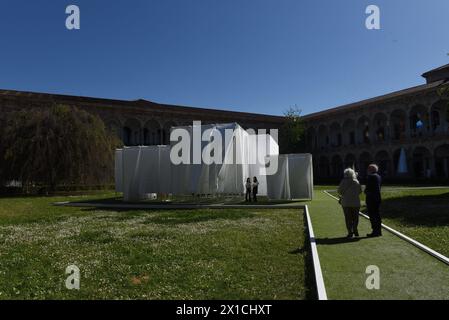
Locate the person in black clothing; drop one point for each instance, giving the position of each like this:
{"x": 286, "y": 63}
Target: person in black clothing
{"x": 255, "y": 189}
{"x": 374, "y": 199}
{"x": 248, "y": 190}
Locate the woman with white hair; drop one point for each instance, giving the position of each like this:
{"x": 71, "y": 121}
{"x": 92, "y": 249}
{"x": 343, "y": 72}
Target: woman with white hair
{"x": 349, "y": 191}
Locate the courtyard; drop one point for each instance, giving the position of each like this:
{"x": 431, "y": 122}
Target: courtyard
{"x": 219, "y": 254}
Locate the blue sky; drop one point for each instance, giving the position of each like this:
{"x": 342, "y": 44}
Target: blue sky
{"x": 246, "y": 55}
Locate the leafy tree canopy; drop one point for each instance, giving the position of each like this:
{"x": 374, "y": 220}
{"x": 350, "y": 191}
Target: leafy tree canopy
{"x": 58, "y": 145}
{"x": 292, "y": 132}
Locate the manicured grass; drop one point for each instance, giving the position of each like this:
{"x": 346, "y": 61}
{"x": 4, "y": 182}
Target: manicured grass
{"x": 420, "y": 214}
{"x": 202, "y": 254}
{"x": 406, "y": 272}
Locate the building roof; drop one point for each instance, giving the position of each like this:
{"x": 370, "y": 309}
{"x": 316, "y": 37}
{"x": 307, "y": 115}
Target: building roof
{"x": 376, "y": 100}
{"x": 445, "y": 67}
{"x": 141, "y": 103}
{"x": 440, "y": 73}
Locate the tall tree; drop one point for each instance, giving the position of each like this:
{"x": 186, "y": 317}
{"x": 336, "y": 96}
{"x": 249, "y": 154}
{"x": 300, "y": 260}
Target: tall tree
{"x": 292, "y": 132}
{"x": 58, "y": 145}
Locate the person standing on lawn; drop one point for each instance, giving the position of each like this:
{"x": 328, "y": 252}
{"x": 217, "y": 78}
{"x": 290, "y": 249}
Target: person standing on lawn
{"x": 255, "y": 189}
{"x": 248, "y": 190}
{"x": 349, "y": 191}
{"x": 374, "y": 199}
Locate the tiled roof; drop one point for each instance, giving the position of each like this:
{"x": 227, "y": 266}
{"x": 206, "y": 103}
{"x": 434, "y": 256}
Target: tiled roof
{"x": 446, "y": 66}
{"x": 369, "y": 102}
{"x": 59, "y": 98}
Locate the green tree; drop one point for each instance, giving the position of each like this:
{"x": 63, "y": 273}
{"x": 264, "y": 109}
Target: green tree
{"x": 291, "y": 136}
{"x": 58, "y": 145}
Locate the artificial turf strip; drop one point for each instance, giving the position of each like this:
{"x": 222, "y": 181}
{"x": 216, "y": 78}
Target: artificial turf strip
{"x": 405, "y": 271}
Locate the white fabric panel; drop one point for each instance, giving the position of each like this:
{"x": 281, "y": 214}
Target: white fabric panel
{"x": 294, "y": 178}
{"x": 145, "y": 170}
{"x": 165, "y": 172}
{"x": 278, "y": 185}
{"x": 300, "y": 171}
{"x": 131, "y": 175}
{"x": 215, "y": 178}
{"x": 260, "y": 148}
{"x": 149, "y": 170}
{"x": 118, "y": 172}
{"x": 180, "y": 179}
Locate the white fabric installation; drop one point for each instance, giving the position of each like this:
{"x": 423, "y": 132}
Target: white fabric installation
{"x": 203, "y": 178}
{"x": 140, "y": 171}
{"x": 262, "y": 146}
{"x": 118, "y": 174}
{"x": 294, "y": 178}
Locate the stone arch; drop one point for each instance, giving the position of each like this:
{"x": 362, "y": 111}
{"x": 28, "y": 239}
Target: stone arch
{"x": 349, "y": 132}
{"x": 323, "y": 136}
{"x": 419, "y": 120}
{"x": 439, "y": 116}
{"x": 336, "y": 166}
{"x": 396, "y": 157}
{"x": 166, "y": 130}
{"x": 365, "y": 160}
{"x": 350, "y": 161}
{"x": 132, "y": 132}
{"x": 363, "y": 130}
{"x": 311, "y": 139}
{"x": 380, "y": 124}
{"x": 398, "y": 123}
{"x": 152, "y": 133}
{"x": 335, "y": 138}
{"x": 383, "y": 160}
{"x": 323, "y": 167}
{"x": 442, "y": 161}
{"x": 421, "y": 162}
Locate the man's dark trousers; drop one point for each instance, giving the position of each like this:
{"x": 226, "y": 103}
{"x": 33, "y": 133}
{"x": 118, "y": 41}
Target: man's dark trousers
{"x": 373, "y": 206}
{"x": 373, "y": 200}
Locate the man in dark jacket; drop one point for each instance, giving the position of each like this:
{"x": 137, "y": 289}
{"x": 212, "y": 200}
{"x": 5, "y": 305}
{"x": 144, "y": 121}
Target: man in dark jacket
{"x": 374, "y": 199}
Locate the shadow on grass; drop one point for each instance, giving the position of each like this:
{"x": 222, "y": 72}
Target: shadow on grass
{"x": 417, "y": 210}
{"x": 340, "y": 240}
{"x": 299, "y": 251}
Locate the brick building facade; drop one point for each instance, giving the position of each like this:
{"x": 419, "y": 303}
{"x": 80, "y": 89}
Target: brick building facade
{"x": 376, "y": 130}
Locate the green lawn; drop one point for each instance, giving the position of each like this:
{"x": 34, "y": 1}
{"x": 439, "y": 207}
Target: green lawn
{"x": 406, "y": 272}
{"x": 218, "y": 254}
{"x": 420, "y": 214}
{"x": 202, "y": 254}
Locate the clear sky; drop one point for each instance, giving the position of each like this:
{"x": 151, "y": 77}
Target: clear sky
{"x": 247, "y": 55}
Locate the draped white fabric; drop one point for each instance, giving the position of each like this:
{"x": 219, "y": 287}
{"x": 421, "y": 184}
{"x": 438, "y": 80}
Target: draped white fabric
{"x": 201, "y": 178}
{"x": 140, "y": 171}
{"x": 118, "y": 174}
{"x": 294, "y": 178}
